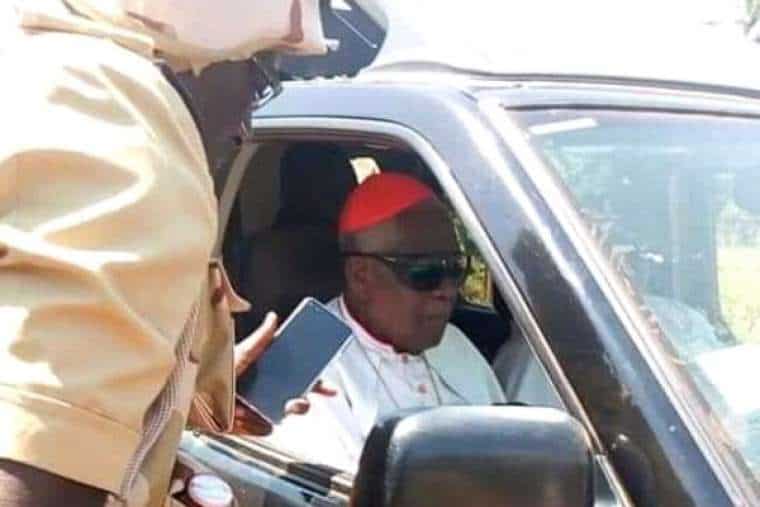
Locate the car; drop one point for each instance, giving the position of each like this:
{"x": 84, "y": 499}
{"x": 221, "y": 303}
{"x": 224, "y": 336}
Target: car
{"x": 605, "y": 179}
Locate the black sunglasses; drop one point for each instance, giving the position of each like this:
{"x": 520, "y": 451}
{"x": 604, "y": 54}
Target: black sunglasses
{"x": 422, "y": 272}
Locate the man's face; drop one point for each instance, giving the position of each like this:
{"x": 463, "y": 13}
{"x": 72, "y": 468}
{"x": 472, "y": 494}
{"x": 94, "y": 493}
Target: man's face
{"x": 412, "y": 319}
{"x": 223, "y": 95}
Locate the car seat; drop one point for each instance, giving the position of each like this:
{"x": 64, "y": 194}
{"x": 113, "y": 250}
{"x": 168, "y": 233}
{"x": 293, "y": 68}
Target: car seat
{"x": 299, "y": 256}
{"x": 521, "y": 377}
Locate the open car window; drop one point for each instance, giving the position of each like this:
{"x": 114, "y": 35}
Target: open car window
{"x": 280, "y": 247}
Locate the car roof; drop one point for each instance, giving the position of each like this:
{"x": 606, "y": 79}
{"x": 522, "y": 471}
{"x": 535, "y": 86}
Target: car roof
{"x": 588, "y": 39}
{"x": 417, "y": 100}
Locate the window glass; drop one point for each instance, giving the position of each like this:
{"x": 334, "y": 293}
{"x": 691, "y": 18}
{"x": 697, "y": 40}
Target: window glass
{"x": 477, "y": 287}
{"x": 674, "y": 201}
{"x": 738, "y": 235}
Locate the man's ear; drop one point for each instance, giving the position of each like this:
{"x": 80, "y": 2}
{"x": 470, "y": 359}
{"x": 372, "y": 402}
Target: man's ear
{"x": 357, "y": 273}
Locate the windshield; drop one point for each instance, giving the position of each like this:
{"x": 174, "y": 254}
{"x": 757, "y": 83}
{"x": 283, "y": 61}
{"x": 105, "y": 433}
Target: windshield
{"x": 674, "y": 201}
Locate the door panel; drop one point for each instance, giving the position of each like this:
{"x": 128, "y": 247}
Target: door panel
{"x": 262, "y": 476}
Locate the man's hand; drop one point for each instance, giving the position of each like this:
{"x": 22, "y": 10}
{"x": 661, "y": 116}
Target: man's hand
{"x": 248, "y": 421}
{"x": 250, "y": 349}
{"x": 300, "y": 406}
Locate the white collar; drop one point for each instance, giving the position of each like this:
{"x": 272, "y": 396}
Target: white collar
{"x": 368, "y": 341}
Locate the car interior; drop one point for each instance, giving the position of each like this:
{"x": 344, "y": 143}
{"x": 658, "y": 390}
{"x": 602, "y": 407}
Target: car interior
{"x": 281, "y": 239}
{"x": 280, "y": 245}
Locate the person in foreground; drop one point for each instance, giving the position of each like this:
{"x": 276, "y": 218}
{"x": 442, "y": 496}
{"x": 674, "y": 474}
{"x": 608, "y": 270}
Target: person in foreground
{"x": 116, "y": 327}
{"x": 403, "y": 268}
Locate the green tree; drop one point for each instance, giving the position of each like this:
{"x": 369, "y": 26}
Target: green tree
{"x": 753, "y": 11}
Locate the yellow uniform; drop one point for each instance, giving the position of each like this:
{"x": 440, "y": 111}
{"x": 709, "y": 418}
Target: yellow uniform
{"x": 107, "y": 221}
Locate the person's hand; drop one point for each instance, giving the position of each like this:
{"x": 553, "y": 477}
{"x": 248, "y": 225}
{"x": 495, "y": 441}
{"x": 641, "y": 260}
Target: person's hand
{"x": 300, "y": 406}
{"x": 248, "y": 421}
{"x": 250, "y": 349}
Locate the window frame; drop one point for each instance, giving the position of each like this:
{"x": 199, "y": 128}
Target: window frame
{"x": 344, "y": 129}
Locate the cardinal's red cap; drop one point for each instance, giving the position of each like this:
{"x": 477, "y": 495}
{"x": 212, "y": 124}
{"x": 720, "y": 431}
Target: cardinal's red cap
{"x": 379, "y": 198}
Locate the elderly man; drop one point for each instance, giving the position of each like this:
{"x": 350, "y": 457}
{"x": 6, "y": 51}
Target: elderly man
{"x": 402, "y": 269}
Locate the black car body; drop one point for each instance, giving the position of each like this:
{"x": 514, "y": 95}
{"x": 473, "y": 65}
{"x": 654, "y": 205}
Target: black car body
{"x": 639, "y": 181}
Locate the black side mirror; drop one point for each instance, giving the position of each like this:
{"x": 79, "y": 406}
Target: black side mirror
{"x": 476, "y": 456}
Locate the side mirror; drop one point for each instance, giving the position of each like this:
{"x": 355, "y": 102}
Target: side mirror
{"x": 467, "y": 456}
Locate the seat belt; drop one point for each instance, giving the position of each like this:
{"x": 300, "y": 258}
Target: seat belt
{"x": 231, "y": 187}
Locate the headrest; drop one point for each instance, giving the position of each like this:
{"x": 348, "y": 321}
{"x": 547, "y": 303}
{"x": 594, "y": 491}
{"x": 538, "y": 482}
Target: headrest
{"x": 315, "y": 179}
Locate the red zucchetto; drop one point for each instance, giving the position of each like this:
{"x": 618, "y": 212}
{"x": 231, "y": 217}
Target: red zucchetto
{"x": 379, "y": 198}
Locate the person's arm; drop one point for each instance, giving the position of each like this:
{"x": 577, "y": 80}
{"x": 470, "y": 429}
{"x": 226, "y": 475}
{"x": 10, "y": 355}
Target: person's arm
{"x": 247, "y": 421}
{"x": 107, "y": 219}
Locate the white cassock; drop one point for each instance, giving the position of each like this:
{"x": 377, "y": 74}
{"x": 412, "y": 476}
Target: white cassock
{"x": 375, "y": 380}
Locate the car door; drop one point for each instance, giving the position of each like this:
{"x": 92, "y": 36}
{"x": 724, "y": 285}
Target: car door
{"x": 278, "y": 475}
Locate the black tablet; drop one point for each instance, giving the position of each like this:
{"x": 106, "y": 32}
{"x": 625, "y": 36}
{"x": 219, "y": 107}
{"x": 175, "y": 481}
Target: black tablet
{"x": 303, "y": 345}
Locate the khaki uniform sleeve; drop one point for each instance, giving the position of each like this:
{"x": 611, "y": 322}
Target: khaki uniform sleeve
{"x": 107, "y": 219}
{"x": 213, "y": 402}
